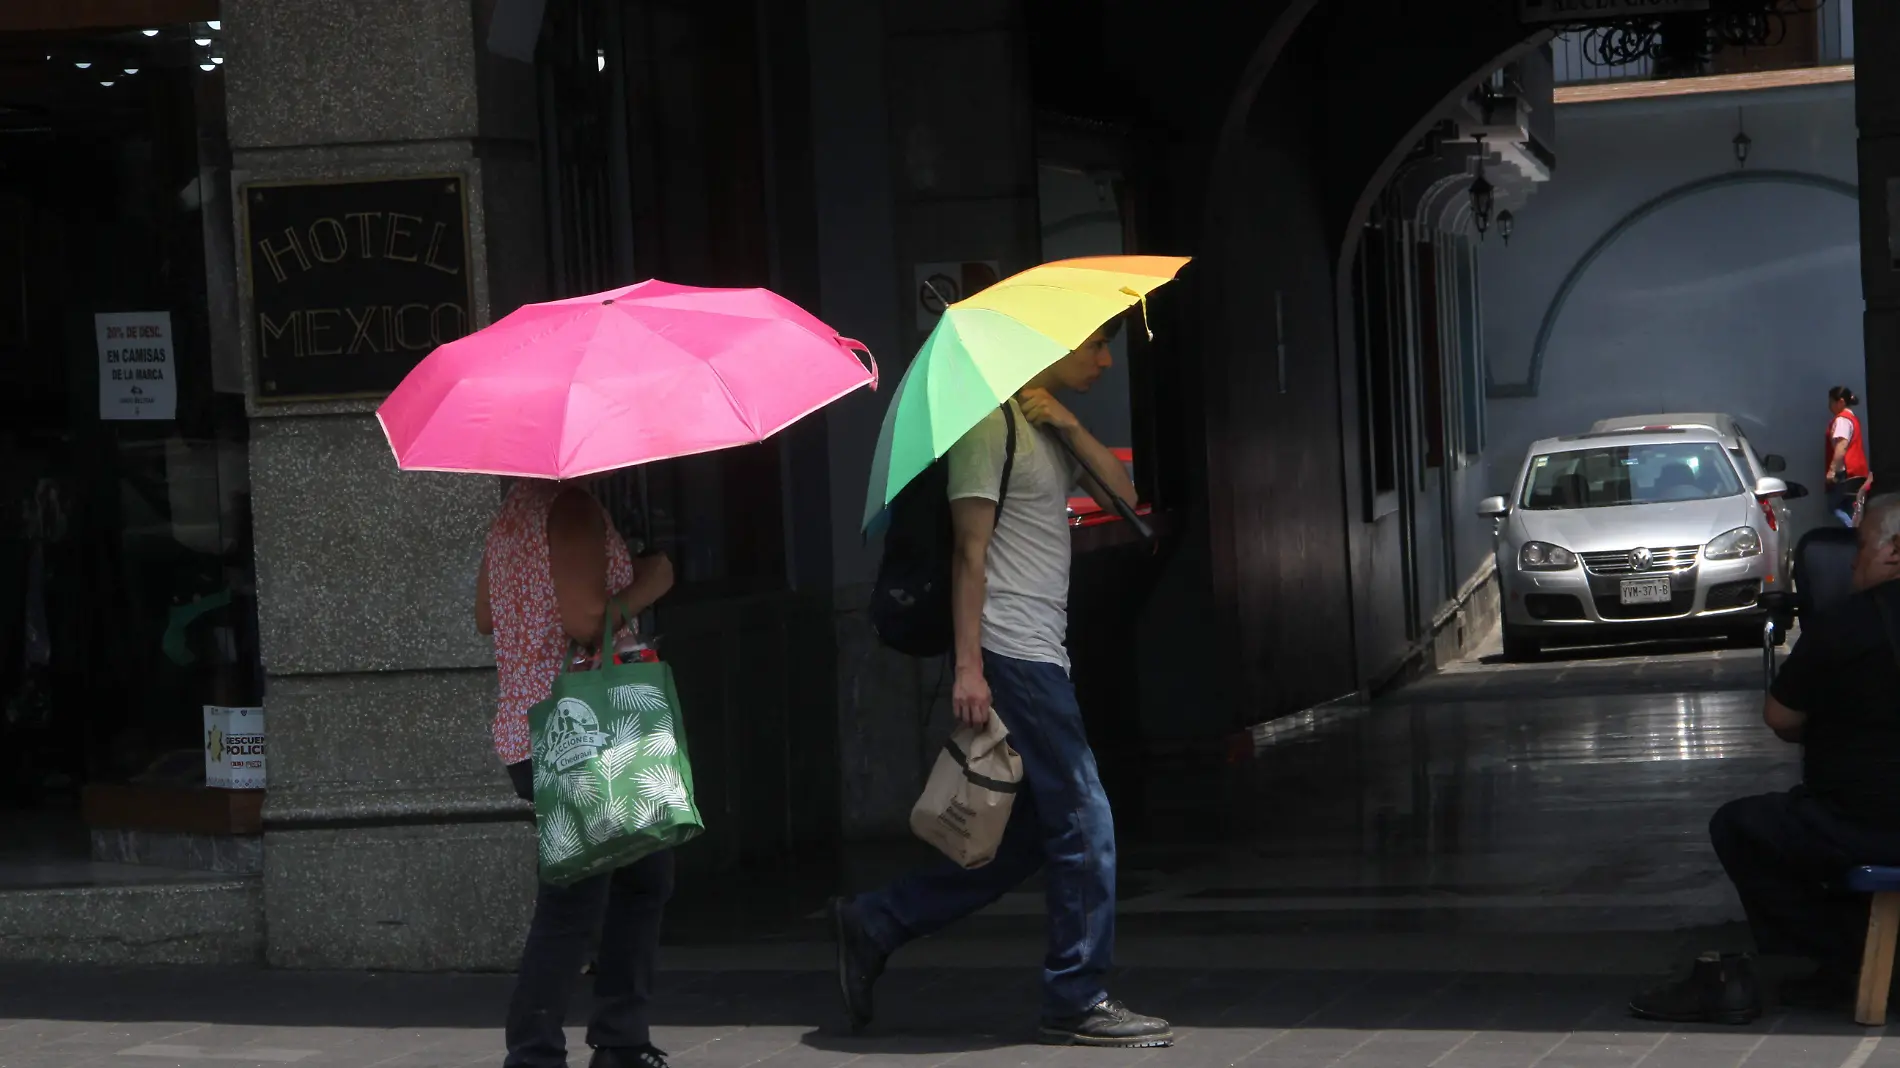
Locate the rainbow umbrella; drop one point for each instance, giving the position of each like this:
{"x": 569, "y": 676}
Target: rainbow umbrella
{"x": 989, "y": 346}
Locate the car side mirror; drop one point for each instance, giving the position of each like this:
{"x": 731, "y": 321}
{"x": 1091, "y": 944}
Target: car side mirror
{"x": 1796, "y": 491}
{"x": 1773, "y": 464}
{"x": 1493, "y": 508}
{"x": 1771, "y": 487}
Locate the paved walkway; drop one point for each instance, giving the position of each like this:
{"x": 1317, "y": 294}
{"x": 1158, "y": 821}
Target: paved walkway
{"x": 1472, "y": 873}
{"x": 85, "y": 1018}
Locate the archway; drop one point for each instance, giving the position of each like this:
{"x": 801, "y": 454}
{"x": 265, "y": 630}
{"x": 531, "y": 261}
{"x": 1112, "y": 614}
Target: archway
{"x": 1675, "y": 308}
{"x": 1558, "y": 302}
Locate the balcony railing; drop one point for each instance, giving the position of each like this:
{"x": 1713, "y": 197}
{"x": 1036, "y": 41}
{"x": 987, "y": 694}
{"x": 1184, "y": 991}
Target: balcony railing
{"x": 1819, "y": 38}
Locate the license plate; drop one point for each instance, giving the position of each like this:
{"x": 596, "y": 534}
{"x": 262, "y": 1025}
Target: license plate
{"x": 1646, "y": 591}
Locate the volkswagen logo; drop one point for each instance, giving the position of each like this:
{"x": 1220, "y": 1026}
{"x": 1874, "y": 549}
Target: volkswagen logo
{"x": 1639, "y": 560}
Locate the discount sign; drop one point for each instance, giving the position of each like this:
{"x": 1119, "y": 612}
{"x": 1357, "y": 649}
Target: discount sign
{"x": 138, "y": 375}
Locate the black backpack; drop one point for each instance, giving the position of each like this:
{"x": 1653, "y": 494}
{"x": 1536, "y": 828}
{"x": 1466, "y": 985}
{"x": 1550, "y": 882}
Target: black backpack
{"x": 910, "y": 607}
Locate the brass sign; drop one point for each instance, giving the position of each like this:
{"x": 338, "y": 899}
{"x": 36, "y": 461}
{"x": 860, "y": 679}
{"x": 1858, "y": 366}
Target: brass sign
{"x": 353, "y": 282}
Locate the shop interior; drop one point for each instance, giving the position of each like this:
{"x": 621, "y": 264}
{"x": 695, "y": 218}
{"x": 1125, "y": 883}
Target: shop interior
{"x": 126, "y": 585}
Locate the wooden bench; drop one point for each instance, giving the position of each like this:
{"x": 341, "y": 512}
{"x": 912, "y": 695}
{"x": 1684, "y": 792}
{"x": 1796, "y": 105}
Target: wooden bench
{"x": 1883, "y": 923}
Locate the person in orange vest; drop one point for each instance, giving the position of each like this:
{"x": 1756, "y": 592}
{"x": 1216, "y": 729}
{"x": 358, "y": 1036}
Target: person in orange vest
{"x": 1847, "y": 473}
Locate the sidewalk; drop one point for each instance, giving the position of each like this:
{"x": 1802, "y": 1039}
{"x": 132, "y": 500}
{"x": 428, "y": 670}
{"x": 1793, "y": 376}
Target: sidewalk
{"x": 982, "y": 1016}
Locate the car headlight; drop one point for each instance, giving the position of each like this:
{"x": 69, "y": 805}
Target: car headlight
{"x": 1543, "y": 556}
{"x": 1735, "y": 545}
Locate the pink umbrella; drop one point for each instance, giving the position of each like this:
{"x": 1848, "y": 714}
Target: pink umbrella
{"x": 633, "y": 375}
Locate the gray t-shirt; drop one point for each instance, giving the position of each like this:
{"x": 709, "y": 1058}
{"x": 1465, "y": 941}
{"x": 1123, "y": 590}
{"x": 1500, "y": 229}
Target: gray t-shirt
{"x": 1026, "y": 607}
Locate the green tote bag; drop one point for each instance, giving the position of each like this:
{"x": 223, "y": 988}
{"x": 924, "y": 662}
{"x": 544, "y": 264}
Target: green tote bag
{"x": 612, "y": 782}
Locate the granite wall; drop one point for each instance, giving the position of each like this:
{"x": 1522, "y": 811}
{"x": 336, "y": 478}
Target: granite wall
{"x": 391, "y": 837}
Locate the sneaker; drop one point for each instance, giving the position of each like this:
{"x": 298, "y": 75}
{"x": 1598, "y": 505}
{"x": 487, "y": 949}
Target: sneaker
{"x": 628, "y": 1057}
{"x": 1108, "y": 1024}
{"x": 1719, "y": 989}
{"x": 860, "y": 962}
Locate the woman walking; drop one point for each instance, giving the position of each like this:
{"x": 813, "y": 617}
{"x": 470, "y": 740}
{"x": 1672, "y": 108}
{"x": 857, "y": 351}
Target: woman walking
{"x": 1847, "y": 472}
{"x": 553, "y": 567}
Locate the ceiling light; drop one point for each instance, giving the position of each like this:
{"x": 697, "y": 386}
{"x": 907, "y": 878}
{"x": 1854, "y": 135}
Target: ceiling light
{"x": 215, "y": 24}
{"x": 149, "y": 33}
{"x": 108, "y": 84}
{"x": 207, "y": 66}
{"x": 131, "y": 70}
{"x": 219, "y": 60}
{"x": 201, "y": 42}
{"x": 82, "y": 64}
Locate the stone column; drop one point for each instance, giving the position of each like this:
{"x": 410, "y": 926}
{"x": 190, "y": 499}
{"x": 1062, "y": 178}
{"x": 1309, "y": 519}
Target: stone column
{"x": 391, "y": 840}
{"x": 1877, "y": 88}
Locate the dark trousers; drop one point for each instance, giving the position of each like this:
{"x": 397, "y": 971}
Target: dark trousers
{"x": 1060, "y": 820}
{"x": 1788, "y": 856}
{"x": 624, "y": 907}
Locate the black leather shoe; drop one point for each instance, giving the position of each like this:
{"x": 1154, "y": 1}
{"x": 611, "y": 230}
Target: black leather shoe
{"x": 628, "y": 1057}
{"x": 1719, "y": 989}
{"x": 860, "y": 962}
{"x": 1109, "y": 1024}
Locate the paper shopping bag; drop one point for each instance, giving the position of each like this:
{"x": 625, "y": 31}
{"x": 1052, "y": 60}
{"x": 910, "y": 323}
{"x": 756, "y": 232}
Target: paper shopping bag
{"x": 966, "y": 803}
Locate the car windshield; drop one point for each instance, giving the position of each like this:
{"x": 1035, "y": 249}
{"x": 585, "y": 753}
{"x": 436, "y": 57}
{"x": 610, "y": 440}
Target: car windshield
{"x": 1610, "y": 475}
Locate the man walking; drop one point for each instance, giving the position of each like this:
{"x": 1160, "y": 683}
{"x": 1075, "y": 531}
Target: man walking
{"x": 1009, "y": 608}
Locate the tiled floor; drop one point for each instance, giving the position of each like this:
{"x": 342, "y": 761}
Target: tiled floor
{"x": 1472, "y": 873}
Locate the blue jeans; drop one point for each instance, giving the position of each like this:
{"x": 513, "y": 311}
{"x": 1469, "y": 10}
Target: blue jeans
{"x": 1060, "y": 819}
{"x": 1841, "y": 497}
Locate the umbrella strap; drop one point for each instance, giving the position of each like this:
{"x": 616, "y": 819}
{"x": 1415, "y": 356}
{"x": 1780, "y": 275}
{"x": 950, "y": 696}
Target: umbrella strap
{"x": 870, "y": 360}
{"x": 1143, "y": 298}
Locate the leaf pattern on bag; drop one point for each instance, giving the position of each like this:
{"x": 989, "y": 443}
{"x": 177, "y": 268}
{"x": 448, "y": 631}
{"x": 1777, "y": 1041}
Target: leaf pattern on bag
{"x": 662, "y": 783}
{"x": 648, "y": 811}
{"x": 543, "y": 777}
{"x": 560, "y": 838}
{"x": 637, "y": 697}
{"x": 657, "y": 740}
{"x": 626, "y": 732}
{"x": 608, "y": 822}
{"x": 581, "y": 787}
{"x": 614, "y": 761}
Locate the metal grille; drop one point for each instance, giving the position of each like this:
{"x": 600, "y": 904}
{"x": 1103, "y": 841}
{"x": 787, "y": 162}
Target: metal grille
{"x": 1822, "y": 35}
{"x": 1681, "y": 558}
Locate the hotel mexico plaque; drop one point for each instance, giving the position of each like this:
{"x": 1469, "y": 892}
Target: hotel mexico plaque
{"x": 353, "y": 282}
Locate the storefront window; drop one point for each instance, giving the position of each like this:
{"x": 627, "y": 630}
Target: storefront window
{"x": 125, "y": 554}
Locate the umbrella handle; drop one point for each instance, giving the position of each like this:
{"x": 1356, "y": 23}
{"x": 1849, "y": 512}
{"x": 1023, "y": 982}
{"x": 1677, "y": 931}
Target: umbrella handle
{"x": 1122, "y": 508}
{"x": 870, "y": 361}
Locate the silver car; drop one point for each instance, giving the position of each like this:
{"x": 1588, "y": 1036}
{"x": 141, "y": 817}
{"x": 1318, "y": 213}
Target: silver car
{"x": 1629, "y": 535}
{"x": 1778, "y": 538}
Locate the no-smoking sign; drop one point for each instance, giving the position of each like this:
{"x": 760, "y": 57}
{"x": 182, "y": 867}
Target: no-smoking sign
{"x": 940, "y": 285}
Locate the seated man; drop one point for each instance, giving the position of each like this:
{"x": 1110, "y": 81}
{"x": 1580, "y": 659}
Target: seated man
{"x": 1788, "y": 854}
